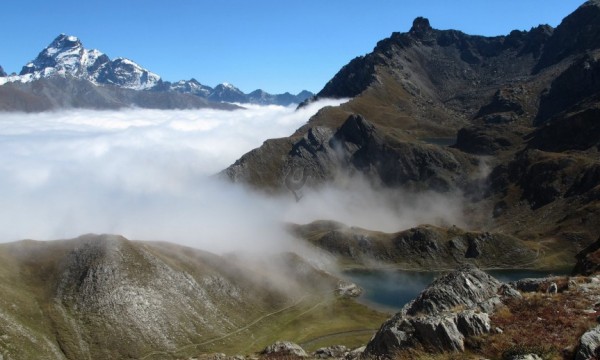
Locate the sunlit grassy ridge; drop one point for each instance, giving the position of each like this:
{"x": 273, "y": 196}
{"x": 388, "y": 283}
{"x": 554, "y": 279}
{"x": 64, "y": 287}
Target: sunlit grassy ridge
{"x": 105, "y": 295}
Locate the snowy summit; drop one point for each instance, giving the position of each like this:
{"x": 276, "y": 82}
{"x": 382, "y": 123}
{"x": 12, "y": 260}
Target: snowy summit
{"x": 66, "y": 56}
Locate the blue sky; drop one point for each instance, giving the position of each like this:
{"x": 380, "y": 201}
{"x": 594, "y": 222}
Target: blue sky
{"x": 276, "y": 45}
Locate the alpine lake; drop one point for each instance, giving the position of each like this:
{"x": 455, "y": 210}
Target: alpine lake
{"x": 390, "y": 290}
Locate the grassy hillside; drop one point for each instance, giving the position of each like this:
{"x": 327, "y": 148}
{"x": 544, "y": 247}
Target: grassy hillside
{"x": 110, "y": 297}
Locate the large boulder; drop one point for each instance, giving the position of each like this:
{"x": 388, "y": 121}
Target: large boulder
{"x": 284, "y": 348}
{"x": 336, "y": 351}
{"x": 448, "y": 332}
{"x": 444, "y": 315}
{"x": 589, "y": 345}
{"x": 467, "y": 287}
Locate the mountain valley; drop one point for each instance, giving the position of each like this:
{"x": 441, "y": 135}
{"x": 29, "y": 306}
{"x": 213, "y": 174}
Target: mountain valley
{"x": 490, "y": 143}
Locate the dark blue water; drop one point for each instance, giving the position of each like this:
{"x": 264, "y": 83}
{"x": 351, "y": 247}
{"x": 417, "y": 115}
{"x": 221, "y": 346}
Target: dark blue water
{"x": 391, "y": 289}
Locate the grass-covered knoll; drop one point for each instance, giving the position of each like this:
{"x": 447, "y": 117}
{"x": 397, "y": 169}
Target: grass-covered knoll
{"x": 106, "y": 296}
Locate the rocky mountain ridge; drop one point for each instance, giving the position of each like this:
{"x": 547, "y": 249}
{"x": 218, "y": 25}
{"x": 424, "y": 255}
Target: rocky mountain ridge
{"x": 424, "y": 247}
{"x": 500, "y": 120}
{"x": 67, "y": 58}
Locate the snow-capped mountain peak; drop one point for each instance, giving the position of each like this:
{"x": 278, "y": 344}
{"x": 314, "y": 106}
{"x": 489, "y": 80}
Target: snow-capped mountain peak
{"x": 66, "y": 56}
{"x": 63, "y": 55}
{"x": 63, "y": 44}
{"x": 229, "y": 86}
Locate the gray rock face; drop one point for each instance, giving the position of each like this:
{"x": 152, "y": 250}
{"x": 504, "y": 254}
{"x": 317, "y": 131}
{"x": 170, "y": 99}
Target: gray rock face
{"x": 336, "y": 351}
{"x": 439, "y": 333}
{"x": 450, "y": 310}
{"x": 468, "y": 287}
{"x": 348, "y": 290}
{"x": 526, "y": 357}
{"x": 444, "y": 333}
{"x": 284, "y": 348}
{"x": 589, "y": 344}
{"x": 359, "y": 146}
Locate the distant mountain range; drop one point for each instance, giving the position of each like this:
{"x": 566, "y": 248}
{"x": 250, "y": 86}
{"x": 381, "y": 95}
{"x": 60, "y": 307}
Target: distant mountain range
{"x": 66, "y": 58}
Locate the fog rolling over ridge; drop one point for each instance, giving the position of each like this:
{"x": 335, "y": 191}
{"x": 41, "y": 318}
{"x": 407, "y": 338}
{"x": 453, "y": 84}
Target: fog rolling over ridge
{"x": 147, "y": 174}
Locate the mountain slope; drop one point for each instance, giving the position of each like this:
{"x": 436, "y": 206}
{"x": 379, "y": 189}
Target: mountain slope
{"x": 424, "y": 247}
{"x": 489, "y": 117}
{"x": 105, "y": 296}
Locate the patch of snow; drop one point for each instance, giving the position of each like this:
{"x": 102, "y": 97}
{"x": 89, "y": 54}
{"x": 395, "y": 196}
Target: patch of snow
{"x": 229, "y": 86}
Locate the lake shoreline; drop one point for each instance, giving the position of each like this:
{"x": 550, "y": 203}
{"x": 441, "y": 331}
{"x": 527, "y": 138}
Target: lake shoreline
{"x": 389, "y": 289}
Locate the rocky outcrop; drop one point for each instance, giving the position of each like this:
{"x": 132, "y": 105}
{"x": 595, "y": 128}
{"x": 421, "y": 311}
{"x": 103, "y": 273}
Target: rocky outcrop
{"x": 348, "y": 290}
{"x": 467, "y": 287}
{"x": 357, "y": 146}
{"x": 2, "y": 72}
{"x": 545, "y": 285}
{"x": 336, "y": 351}
{"x": 525, "y": 357}
{"x": 589, "y": 345}
{"x": 451, "y": 309}
{"x": 284, "y": 348}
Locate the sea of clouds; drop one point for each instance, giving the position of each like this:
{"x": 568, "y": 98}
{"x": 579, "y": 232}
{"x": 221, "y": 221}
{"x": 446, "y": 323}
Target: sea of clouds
{"x": 148, "y": 175}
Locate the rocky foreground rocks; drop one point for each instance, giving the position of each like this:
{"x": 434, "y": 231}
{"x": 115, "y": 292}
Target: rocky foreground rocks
{"x": 452, "y": 308}
{"x": 465, "y": 310}
{"x": 284, "y": 348}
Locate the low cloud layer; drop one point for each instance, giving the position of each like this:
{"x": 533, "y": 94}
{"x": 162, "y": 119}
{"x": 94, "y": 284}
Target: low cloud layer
{"x": 146, "y": 174}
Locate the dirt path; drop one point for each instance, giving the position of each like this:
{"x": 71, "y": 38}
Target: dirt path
{"x": 256, "y": 321}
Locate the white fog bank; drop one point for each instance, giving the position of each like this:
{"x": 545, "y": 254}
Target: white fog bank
{"x": 146, "y": 174}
